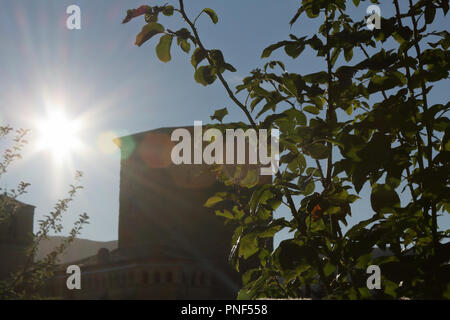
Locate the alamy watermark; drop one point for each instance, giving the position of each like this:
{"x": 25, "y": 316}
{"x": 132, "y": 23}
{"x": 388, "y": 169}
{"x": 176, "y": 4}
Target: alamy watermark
{"x": 213, "y": 153}
{"x": 74, "y": 19}
{"x": 374, "y": 280}
{"x": 74, "y": 280}
{"x": 374, "y": 20}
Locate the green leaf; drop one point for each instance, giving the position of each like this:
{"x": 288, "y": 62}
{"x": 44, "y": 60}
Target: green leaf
{"x": 185, "y": 46}
{"x": 243, "y": 295}
{"x": 348, "y": 54}
{"x": 292, "y": 254}
{"x": 390, "y": 288}
{"x": 399, "y": 76}
{"x": 294, "y": 49}
{"x": 297, "y": 15}
{"x": 248, "y": 245}
{"x": 153, "y": 17}
{"x": 335, "y": 55}
{"x": 313, "y": 11}
{"x": 329, "y": 269}
{"x": 272, "y": 228}
{"x": 261, "y": 91}
{"x": 311, "y": 109}
{"x": 148, "y": 31}
{"x": 217, "y": 59}
{"x": 360, "y": 226}
{"x": 255, "y": 102}
{"x": 205, "y": 75}
{"x": 198, "y": 56}
{"x": 446, "y": 294}
{"x": 365, "y": 293}
{"x": 441, "y": 124}
{"x": 297, "y": 115}
{"x": 259, "y": 196}
{"x": 269, "y": 105}
{"x": 268, "y": 51}
{"x": 213, "y": 200}
{"x": 229, "y": 67}
{"x": 384, "y": 198}
{"x": 318, "y": 77}
{"x": 251, "y": 178}
{"x": 310, "y": 187}
{"x": 212, "y": 14}
{"x": 296, "y": 162}
{"x": 430, "y": 13}
{"x": 219, "y": 114}
{"x": 168, "y": 11}
{"x": 224, "y": 213}
{"x": 163, "y": 48}
{"x": 318, "y": 151}
{"x": 315, "y": 43}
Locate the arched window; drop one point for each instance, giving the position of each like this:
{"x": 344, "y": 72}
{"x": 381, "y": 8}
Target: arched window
{"x": 96, "y": 284}
{"x": 145, "y": 277}
{"x": 215, "y": 282}
{"x": 122, "y": 279}
{"x": 131, "y": 277}
{"x": 157, "y": 277}
{"x": 110, "y": 281}
{"x": 52, "y": 290}
{"x": 84, "y": 282}
{"x": 169, "y": 277}
{"x": 202, "y": 279}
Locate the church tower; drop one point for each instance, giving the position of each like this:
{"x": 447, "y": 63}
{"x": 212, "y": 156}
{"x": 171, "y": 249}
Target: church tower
{"x": 162, "y": 204}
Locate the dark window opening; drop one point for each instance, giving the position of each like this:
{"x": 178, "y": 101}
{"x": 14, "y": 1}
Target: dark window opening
{"x": 157, "y": 277}
{"x": 131, "y": 277}
{"x": 202, "y": 279}
{"x": 145, "y": 277}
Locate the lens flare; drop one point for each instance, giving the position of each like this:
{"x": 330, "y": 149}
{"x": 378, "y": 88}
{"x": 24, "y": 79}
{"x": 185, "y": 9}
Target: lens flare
{"x": 106, "y": 143}
{"x": 59, "y": 135}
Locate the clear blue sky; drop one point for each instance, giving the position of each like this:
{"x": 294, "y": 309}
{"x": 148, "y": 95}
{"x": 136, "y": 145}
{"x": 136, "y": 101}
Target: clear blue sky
{"x": 99, "y": 75}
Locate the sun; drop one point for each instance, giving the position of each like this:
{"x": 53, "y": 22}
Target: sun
{"x": 59, "y": 134}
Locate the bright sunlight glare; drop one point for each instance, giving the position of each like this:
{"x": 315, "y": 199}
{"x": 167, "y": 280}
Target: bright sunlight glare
{"x": 58, "y": 135}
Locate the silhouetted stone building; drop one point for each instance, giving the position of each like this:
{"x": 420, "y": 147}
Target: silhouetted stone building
{"x": 15, "y": 234}
{"x": 170, "y": 246}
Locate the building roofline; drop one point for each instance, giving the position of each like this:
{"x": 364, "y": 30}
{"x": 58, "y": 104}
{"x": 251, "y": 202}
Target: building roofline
{"x": 19, "y": 202}
{"x": 164, "y": 130}
{"x": 142, "y": 133}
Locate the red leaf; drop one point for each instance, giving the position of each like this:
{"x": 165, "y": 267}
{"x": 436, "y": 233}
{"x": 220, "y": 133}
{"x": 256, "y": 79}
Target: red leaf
{"x": 131, "y": 14}
{"x": 148, "y": 31}
{"x": 316, "y": 212}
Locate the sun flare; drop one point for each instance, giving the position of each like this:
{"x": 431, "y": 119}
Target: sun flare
{"x": 59, "y": 135}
